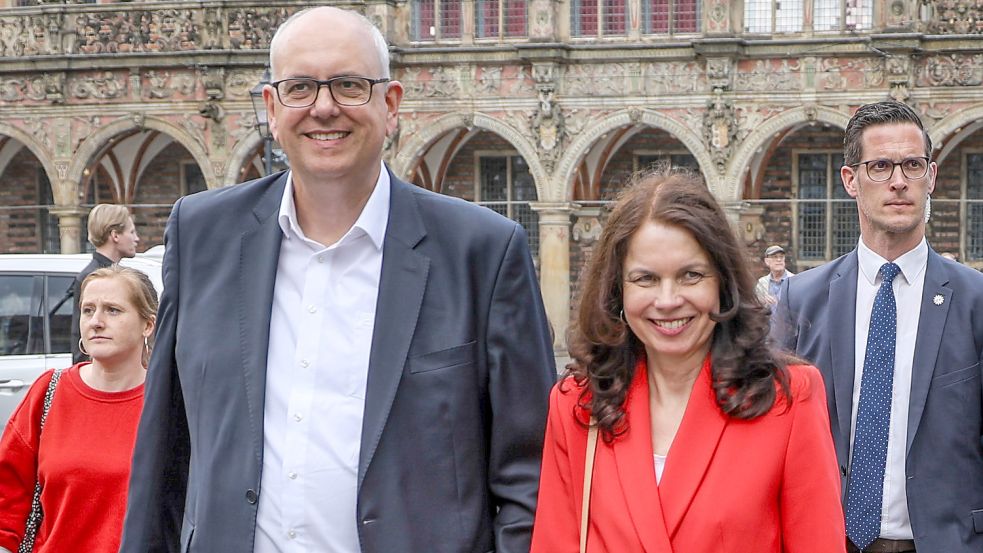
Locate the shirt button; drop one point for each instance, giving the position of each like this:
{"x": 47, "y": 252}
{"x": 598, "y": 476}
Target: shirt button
{"x": 291, "y": 533}
{"x": 311, "y": 308}
{"x": 292, "y": 475}
{"x": 305, "y": 363}
{"x": 320, "y": 259}
{"x": 298, "y": 417}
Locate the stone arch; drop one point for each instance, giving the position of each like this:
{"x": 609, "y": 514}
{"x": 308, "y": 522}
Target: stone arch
{"x": 43, "y": 156}
{"x": 98, "y": 140}
{"x": 413, "y": 148}
{"x": 732, "y": 183}
{"x": 947, "y": 127}
{"x": 582, "y": 144}
{"x": 241, "y": 154}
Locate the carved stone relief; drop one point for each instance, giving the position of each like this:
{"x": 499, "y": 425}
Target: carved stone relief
{"x": 956, "y": 17}
{"x": 432, "y": 82}
{"x": 673, "y": 78}
{"x": 769, "y": 75}
{"x": 951, "y": 70}
{"x": 253, "y": 28}
{"x": 137, "y": 31}
{"x": 596, "y": 79}
{"x": 720, "y": 129}
{"x": 100, "y": 86}
{"x": 238, "y": 83}
{"x": 850, "y": 74}
{"x": 718, "y": 16}
{"x": 547, "y": 122}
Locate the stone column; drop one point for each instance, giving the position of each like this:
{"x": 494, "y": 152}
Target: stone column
{"x": 69, "y": 227}
{"x": 554, "y": 266}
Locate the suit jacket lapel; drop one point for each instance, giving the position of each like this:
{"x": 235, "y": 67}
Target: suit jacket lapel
{"x": 692, "y": 450}
{"x": 842, "y": 321}
{"x": 636, "y": 467}
{"x": 260, "y": 240}
{"x": 931, "y": 321}
{"x": 401, "y": 288}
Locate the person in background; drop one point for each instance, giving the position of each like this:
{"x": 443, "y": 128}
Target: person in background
{"x": 82, "y": 457}
{"x": 710, "y": 439}
{"x": 112, "y": 232}
{"x": 769, "y": 285}
{"x": 897, "y": 332}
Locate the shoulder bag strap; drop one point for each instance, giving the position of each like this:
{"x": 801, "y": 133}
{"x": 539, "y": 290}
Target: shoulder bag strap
{"x": 588, "y": 477}
{"x": 34, "y": 517}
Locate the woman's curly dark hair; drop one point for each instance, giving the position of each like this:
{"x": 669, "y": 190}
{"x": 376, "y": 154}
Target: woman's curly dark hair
{"x": 745, "y": 367}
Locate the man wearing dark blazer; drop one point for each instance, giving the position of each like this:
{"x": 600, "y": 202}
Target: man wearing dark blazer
{"x": 345, "y": 362}
{"x": 897, "y": 332}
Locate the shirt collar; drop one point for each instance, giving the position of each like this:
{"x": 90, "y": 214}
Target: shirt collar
{"x": 912, "y": 262}
{"x": 372, "y": 221}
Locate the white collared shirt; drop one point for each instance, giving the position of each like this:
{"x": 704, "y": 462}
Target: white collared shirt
{"x": 321, "y": 327}
{"x": 895, "y": 522}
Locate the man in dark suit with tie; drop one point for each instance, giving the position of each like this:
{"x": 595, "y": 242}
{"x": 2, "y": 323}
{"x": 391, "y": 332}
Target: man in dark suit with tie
{"x": 897, "y": 332}
{"x": 345, "y": 362}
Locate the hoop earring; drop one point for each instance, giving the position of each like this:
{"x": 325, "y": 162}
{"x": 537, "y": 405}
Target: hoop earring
{"x": 145, "y": 356}
{"x": 82, "y": 348}
{"x": 622, "y": 316}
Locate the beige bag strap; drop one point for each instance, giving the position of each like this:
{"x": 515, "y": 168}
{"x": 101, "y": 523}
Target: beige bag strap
{"x": 588, "y": 476}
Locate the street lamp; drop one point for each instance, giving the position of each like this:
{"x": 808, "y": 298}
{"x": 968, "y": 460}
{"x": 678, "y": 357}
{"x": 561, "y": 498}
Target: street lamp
{"x": 262, "y": 120}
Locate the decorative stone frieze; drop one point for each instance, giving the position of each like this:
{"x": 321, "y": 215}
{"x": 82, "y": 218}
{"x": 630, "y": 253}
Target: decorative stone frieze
{"x": 950, "y": 70}
{"x": 956, "y": 17}
{"x": 673, "y": 78}
{"x": 768, "y": 75}
{"x": 104, "y": 85}
{"x": 595, "y": 80}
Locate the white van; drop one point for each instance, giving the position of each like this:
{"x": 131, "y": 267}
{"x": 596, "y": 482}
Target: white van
{"x": 36, "y": 316}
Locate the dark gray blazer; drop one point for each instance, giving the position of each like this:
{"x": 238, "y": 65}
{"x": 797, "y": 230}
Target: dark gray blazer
{"x": 460, "y": 370}
{"x": 815, "y": 318}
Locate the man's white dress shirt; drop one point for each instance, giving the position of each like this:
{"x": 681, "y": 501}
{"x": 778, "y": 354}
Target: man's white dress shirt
{"x": 317, "y": 366}
{"x": 895, "y": 523}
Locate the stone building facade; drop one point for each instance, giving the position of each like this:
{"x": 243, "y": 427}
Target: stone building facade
{"x": 539, "y": 109}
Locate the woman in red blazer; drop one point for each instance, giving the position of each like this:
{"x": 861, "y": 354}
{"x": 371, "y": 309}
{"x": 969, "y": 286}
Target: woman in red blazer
{"x": 710, "y": 440}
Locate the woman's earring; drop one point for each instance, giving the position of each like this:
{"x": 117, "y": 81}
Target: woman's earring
{"x": 82, "y": 348}
{"x": 622, "y": 315}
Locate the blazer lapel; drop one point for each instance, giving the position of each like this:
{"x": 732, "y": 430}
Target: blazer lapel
{"x": 636, "y": 467}
{"x": 401, "y": 288}
{"x": 842, "y": 323}
{"x": 931, "y": 321}
{"x": 261, "y": 239}
{"x": 692, "y": 450}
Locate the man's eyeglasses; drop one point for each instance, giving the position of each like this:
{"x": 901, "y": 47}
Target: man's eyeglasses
{"x": 345, "y": 91}
{"x": 880, "y": 170}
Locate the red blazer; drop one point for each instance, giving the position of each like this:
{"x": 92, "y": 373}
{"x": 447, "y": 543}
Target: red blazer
{"x": 768, "y": 485}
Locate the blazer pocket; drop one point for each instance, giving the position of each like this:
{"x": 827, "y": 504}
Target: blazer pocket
{"x": 456, "y": 356}
{"x": 977, "y": 520}
{"x": 956, "y": 376}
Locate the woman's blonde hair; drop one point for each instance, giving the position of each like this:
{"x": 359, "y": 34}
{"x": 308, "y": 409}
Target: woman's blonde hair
{"x": 104, "y": 219}
{"x": 142, "y": 294}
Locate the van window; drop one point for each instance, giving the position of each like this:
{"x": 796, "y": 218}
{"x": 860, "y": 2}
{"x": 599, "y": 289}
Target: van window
{"x": 21, "y": 315}
{"x": 60, "y": 302}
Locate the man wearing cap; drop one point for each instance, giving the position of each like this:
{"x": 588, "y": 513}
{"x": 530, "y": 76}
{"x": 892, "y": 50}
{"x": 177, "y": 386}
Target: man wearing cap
{"x": 770, "y": 284}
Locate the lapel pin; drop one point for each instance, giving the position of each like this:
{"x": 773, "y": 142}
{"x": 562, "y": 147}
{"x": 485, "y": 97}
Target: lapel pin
{"x": 939, "y": 299}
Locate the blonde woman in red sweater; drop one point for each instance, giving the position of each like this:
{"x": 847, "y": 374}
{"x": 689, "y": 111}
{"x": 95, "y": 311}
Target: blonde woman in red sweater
{"x": 82, "y": 457}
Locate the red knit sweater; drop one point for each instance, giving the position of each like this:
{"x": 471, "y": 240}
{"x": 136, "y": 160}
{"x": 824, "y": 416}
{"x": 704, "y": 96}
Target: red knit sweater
{"x": 84, "y": 467}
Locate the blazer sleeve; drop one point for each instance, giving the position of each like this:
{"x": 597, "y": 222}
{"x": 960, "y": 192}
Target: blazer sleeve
{"x": 521, "y": 370}
{"x": 557, "y": 527}
{"x": 159, "y": 476}
{"x": 811, "y": 512}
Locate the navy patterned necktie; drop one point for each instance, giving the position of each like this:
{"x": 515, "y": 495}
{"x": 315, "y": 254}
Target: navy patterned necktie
{"x": 865, "y": 489}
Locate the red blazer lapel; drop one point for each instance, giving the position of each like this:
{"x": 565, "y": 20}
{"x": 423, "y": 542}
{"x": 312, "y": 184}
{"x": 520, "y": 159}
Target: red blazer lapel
{"x": 692, "y": 449}
{"x": 636, "y": 467}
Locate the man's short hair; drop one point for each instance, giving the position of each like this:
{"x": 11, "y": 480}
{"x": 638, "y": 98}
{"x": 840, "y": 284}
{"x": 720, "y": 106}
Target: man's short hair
{"x": 878, "y": 113}
{"x": 775, "y": 249}
{"x": 104, "y": 219}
